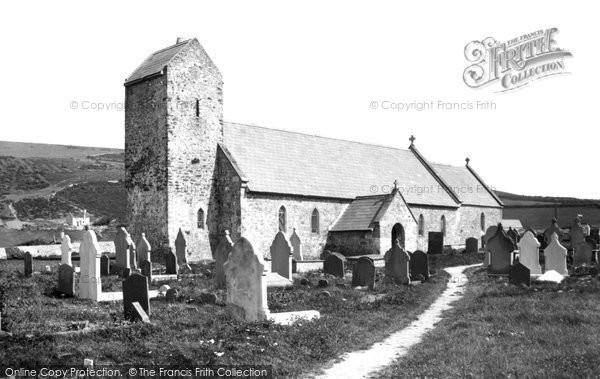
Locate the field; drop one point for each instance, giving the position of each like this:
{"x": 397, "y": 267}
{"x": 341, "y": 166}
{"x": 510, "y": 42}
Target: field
{"x": 540, "y": 217}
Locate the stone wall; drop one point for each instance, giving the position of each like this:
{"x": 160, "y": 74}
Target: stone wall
{"x": 397, "y": 212}
{"x": 351, "y": 243}
{"x": 471, "y": 216}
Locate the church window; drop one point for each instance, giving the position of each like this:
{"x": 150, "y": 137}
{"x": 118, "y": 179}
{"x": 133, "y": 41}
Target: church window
{"x": 443, "y": 225}
{"x": 421, "y": 225}
{"x": 314, "y": 221}
{"x": 482, "y": 222}
{"x": 200, "y": 218}
{"x": 282, "y": 219}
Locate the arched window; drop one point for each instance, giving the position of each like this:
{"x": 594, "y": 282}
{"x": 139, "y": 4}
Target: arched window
{"x": 443, "y": 225}
{"x": 282, "y": 219}
{"x": 200, "y": 218}
{"x": 421, "y": 225}
{"x": 482, "y": 221}
{"x": 314, "y": 221}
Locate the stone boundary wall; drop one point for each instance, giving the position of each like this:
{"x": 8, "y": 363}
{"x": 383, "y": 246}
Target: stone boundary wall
{"x": 48, "y": 250}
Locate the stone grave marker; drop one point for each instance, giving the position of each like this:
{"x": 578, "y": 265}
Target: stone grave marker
{"x": 104, "y": 265}
{"x": 419, "y": 265}
{"x": 489, "y": 233}
{"x": 471, "y": 245}
{"x": 181, "y": 252}
{"x": 595, "y": 235}
{"x": 28, "y": 264}
{"x": 246, "y": 282}
{"x": 554, "y": 228}
{"x": 221, "y": 256}
{"x": 435, "y": 243}
{"x": 146, "y": 268}
{"x": 281, "y": 256}
{"x": 126, "y": 272}
{"x": 138, "y": 313}
{"x": 363, "y": 274}
{"x": 335, "y": 264}
{"x": 519, "y": 274}
{"x": 501, "y": 248}
{"x": 513, "y": 235}
{"x": 66, "y": 280}
{"x": 66, "y": 247}
{"x": 486, "y": 258}
{"x": 582, "y": 254}
{"x": 122, "y": 249}
{"x": 577, "y": 234}
{"x": 325, "y": 254}
{"x": 171, "y": 295}
{"x": 90, "y": 284}
{"x": 397, "y": 265}
{"x": 135, "y": 289}
{"x": 171, "y": 263}
{"x": 296, "y": 246}
{"x": 529, "y": 253}
{"x": 143, "y": 249}
{"x": 556, "y": 256}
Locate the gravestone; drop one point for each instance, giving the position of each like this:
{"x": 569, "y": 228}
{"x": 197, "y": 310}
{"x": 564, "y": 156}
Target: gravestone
{"x": 122, "y": 249}
{"x": 135, "y": 289}
{"x": 335, "y": 264}
{"x": 281, "y": 256}
{"x": 542, "y": 240}
{"x": 582, "y": 254}
{"x": 143, "y": 249}
{"x": 171, "y": 295}
{"x": 471, "y": 245}
{"x": 419, "y": 265}
{"x": 146, "y": 268}
{"x": 138, "y": 313}
{"x": 556, "y": 256}
{"x": 513, "y": 235}
{"x": 246, "y": 282}
{"x": 325, "y": 254}
{"x": 65, "y": 248}
{"x": 363, "y": 274}
{"x": 486, "y": 258}
{"x": 554, "y": 228}
{"x": 296, "y": 246}
{"x": 501, "y": 248}
{"x": 529, "y": 253}
{"x": 181, "y": 251}
{"x": 66, "y": 280}
{"x": 595, "y": 235}
{"x": 577, "y": 234}
{"x": 435, "y": 244}
{"x": 397, "y": 265}
{"x": 221, "y": 255}
{"x": 171, "y": 263}
{"x": 104, "y": 265}
{"x": 519, "y": 274}
{"x": 90, "y": 284}
{"x": 125, "y": 272}
{"x": 28, "y": 264}
{"x": 489, "y": 233}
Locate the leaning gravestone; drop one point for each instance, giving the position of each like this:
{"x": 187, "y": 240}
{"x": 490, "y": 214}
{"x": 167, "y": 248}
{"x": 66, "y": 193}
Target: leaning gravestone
{"x": 435, "y": 244}
{"x": 335, "y": 265}
{"x": 529, "y": 253}
{"x": 577, "y": 234}
{"x": 143, "y": 249}
{"x": 471, "y": 245}
{"x": 246, "y": 282}
{"x": 122, "y": 249}
{"x": 296, "y": 246}
{"x": 104, "y": 265}
{"x": 65, "y": 248}
{"x": 501, "y": 248}
{"x": 363, "y": 274}
{"x": 519, "y": 274}
{"x": 135, "y": 289}
{"x": 397, "y": 265}
{"x": 66, "y": 280}
{"x": 281, "y": 256}
{"x": 90, "y": 284}
{"x": 419, "y": 265}
{"x": 582, "y": 254}
{"x": 146, "y": 268}
{"x": 181, "y": 251}
{"x": 221, "y": 255}
{"x": 171, "y": 263}
{"x": 28, "y": 264}
{"x": 556, "y": 256}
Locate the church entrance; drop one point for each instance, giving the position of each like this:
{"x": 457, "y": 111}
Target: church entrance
{"x": 398, "y": 235}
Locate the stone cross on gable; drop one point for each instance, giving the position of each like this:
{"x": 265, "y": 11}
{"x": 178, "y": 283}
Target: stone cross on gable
{"x": 467, "y": 159}
{"x": 396, "y": 185}
{"x": 412, "y": 140}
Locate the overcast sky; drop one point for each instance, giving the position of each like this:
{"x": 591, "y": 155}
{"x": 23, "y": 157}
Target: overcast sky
{"x": 316, "y": 67}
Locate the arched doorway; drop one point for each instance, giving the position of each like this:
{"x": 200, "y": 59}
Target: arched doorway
{"x": 398, "y": 235}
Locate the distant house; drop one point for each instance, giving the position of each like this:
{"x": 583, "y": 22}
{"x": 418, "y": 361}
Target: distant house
{"x": 78, "y": 221}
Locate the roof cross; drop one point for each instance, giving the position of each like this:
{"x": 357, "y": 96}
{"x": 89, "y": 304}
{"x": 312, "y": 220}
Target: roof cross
{"x": 467, "y": 159}
{"x": 412, "y": 140}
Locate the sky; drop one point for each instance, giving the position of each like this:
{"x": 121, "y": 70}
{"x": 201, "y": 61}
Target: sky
{"x": 320, "y": 67}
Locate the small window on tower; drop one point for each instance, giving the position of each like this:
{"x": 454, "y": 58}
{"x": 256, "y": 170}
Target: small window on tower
{"x": 200, "y": 218}
{"x": 197, "y": 108}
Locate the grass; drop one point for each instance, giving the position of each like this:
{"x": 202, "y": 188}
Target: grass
{"x": 193, "y": 332}
{"x": 502, "y": 330}
{"x": 110, "y": 199}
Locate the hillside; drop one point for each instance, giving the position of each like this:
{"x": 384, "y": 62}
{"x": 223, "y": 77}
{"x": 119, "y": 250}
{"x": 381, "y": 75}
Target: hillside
{"x": 42, "y": 150}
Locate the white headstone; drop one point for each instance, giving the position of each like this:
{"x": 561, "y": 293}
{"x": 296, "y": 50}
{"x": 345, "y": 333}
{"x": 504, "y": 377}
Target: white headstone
{"x": 122, "y": 252}
{"x": 66, "y": 248}
{"x": 90, "y": 285}
{"x": 143, "y": 249}
{"x": 556, "y": 256}
{"x": 529, "y": 253}
{"x": 296, "y": 246}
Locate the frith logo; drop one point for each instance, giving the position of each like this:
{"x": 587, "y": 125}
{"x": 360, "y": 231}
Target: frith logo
{"x": 515, "y": 63}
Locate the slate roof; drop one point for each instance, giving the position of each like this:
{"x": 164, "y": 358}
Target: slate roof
{"x": 362, "y": 213}
{"x": 156, "y": 61}
{"x": 465, "y": 185}
{"x": 278, "y": 161}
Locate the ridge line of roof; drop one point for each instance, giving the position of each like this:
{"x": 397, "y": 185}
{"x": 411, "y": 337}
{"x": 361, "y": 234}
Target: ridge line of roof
{"x": 435, "y": 174}
{"x": 472, "y": 171}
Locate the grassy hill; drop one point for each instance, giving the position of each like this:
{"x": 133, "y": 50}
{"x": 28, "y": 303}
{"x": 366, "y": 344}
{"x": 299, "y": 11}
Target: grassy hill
{"x": 42, "y": 150}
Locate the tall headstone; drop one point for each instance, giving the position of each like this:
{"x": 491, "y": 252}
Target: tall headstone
{"x": 501, "y": 248}
{"x": 281, "y": 256}
{"x": 28, "y": 264}
{"x": 529, "y": 253}
{"x": 582, "y": 254}
{"x": 65, "y": 248}
{"x": 90, "y": 284}
{"x": 122, "y": 251}
{"x": 519, "y": 274}
{"x": 135, "y": 289}
{"x": 221, "y": 256}
{"x": 66, "y": 280}
{"x": 419, "y": 265}
{"x": 104, "y": 265}
{"x": 246, "y": 281}
{"x": 143, "y": 249}
{"x": 146, "y": 268}
{"x": 397, "y": 265}
{"x": 553, "y": 229}
{"x": 181, "y": 251}
{"x": 335, "y": 264}
{"x": 471, "y": 245}
{"x": 435, "y": 244}
{"x": 489, "y": 233}
{"x": 171, "y": 263}
{"x": 577, "y": 234}
{"x": 296, "y": 246}
{"x": 363, "y": 274}
{"x": 556, "y": 256}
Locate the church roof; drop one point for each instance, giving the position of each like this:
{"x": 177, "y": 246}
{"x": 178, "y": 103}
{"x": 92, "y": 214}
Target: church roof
{"x": 278, "y": 161}
{"x": 362, "y": 213}
{"x": 155, "y": 62}
{"x": 466, "y": 185}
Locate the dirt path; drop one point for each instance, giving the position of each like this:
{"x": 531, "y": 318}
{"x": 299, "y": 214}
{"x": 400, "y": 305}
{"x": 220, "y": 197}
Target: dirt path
{"x": 362, "y": 363}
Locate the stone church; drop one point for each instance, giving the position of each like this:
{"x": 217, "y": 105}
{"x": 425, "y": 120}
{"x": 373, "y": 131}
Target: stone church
{"x": 188, "y": 169}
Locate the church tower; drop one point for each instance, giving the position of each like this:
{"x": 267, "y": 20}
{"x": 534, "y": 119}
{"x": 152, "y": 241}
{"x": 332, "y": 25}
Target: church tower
{"x": 173, "y": 124}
